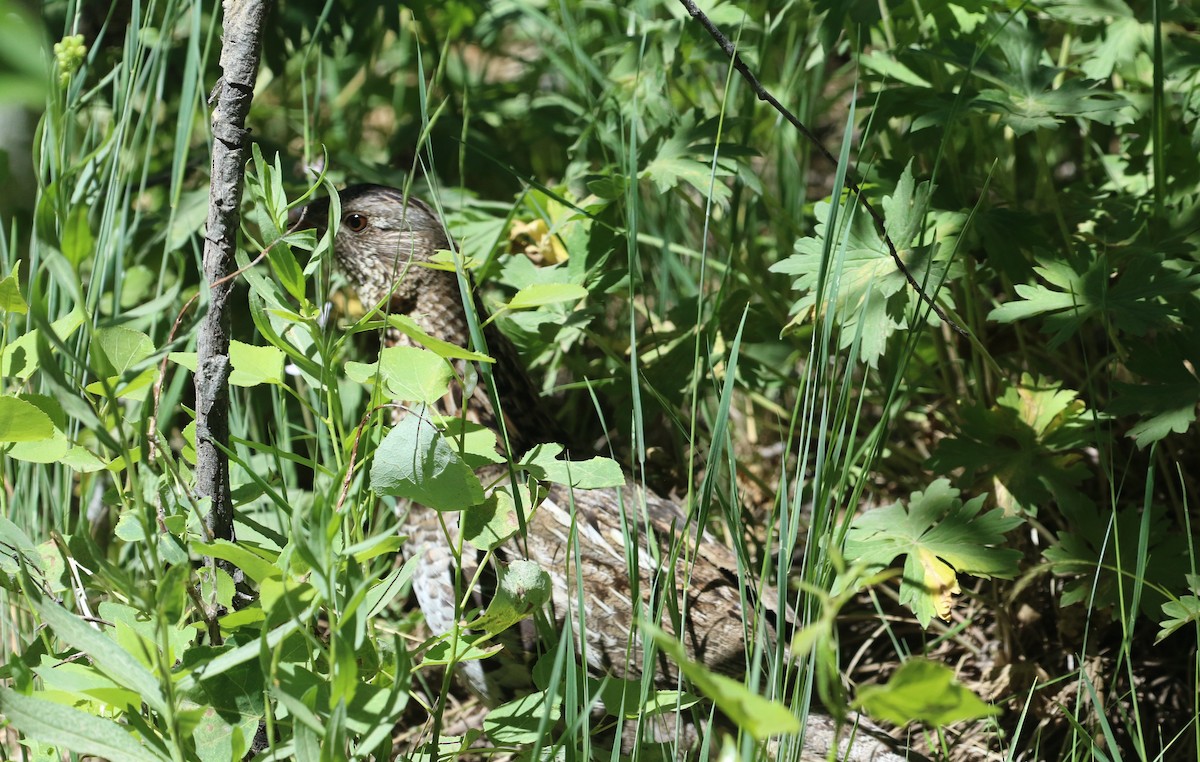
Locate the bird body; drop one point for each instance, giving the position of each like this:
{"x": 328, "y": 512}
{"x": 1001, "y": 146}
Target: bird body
{"x": 628, "y": 548}
{"x": 383, "y": 246}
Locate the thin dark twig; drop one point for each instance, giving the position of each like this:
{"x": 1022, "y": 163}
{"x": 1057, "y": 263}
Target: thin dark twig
{"x": 764, "y": 95}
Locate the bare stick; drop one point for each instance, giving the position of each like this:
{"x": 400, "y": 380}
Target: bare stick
{"x": 242, "y": 41}
{"x": 764, "y": 95}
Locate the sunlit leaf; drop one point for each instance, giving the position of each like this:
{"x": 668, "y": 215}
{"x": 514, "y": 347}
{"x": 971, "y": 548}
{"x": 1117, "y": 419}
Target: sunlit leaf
{"x": 409, "y": 328}
{"x": 22, "y": 421}
{"x": 542, "y": 294}
{"x": 493, "y": 521}
{"x": 939, "y": 535}
{"x": 415, "y": 461}
{"x": 923, "y": 691}
{"x": 862, "y": 284}
{"x": 11, "y": 299}
{"x": 521, "y": 721}
{"x": 73, "y": 730}
{"x": 408, "y": 374}
{"x": 595, "y": 473}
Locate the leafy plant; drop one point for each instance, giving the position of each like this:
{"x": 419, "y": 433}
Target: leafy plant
{"x": 940, "y": 537}
{"x": 1024, "y": 447}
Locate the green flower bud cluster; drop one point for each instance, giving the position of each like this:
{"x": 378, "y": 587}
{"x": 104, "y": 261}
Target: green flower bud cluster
{"x": 69, "y": 54}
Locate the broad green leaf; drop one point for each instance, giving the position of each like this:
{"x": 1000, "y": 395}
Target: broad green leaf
{"x": 862, "y": 285}
{"x": 758, "y": 716}
{"x": 408, "y": 374}
{"x": 1124, "y": 38}
{"x": 1023, "y": 447}
{"x": 440, "y": 655}
{"x": 939, "y": 536}
{"x": 542, "y": 294}
{"x": 254, "y": 566}
{"x": 218, "y": 740}
{"x": 415, "y": 461}
{"x": 118, "y": 351}
{"x": 493, "y": 521}
{"x": 523, "y": 588}
{"x": 11, "y": 299}
{"x": 230, "y": 658}
{"x": 250, "y": 365}
{"x": 623, "y": 698}
{"x": 923, "y": 691}
{"x": 1166, "y": 403}
{"x": 72, "y": 683}
{"x": 1165, "y": 408}
{"x": 685, "y": 156}
{"x": 22, "y": 421}
{"x": 253, "y": 365}
{"x": 118, "y": 664}
{"x": 1135, "y": 302}
{"x": 135, "y": 388}
{"x": 521, "y": 721}
{"x": 1028, "y": 111}
{"x": 73, "y": 730}
{"x": 53, "y": 449}
{"x": 475, "y": 442}
{"x": 1178, "y": 613}
{"x": 1097, "y": 550}
{"x": 82, "y": 460}
{"x": 20, "y": 358}
{"x": 140, "y": 635}
{"x": 889, "y": 67}
{"x": 1031, "y": 93}
{"x": 77, "y": 239}
{"x": 596, "y": 473}
{"x": 137, "y": 286}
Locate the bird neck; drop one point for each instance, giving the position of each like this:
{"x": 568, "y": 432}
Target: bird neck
{"x": 438, "y": 311}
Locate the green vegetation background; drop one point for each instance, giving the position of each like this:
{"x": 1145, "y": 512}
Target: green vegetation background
{"x": 745, "y": 341}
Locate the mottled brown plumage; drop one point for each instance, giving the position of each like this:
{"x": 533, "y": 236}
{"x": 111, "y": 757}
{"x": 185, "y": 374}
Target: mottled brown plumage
{"x": 382, "y": 244}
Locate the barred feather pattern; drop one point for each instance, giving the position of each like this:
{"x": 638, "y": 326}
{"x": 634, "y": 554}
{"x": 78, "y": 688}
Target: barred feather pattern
{"x": 384, "y": 240}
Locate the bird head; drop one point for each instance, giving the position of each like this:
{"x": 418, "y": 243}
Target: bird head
{"x": 383, "y": 242}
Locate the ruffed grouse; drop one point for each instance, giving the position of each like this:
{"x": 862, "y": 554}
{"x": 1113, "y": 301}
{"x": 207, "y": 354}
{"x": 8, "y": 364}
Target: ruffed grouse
{"x": 383, "y": 242}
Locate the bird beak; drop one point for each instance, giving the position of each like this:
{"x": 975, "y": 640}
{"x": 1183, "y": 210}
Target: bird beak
{"x": 312, "y": 216}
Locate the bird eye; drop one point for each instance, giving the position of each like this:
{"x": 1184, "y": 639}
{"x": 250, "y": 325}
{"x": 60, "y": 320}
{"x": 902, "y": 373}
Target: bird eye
{"x": 355, "y": 222}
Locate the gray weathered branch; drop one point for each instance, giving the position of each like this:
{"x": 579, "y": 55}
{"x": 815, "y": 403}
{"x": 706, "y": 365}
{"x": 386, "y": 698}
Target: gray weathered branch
{"x": 242, "y": 41}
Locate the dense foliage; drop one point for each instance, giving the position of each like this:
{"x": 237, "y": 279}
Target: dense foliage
{"x": 701, "y": 297}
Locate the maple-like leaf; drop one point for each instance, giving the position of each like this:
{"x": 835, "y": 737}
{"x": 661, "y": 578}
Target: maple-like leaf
{"x": 859, "y": 280}
{"x": 684, "y": 157}
{"x": 940, "y": 537}
{"x": 1031, "y": 94}
{"x": 1166, "y": 402}
{"x": 1023, "y": 446}
{"x": 1102, "y": 554}
{"x": 1135, "y": 298}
